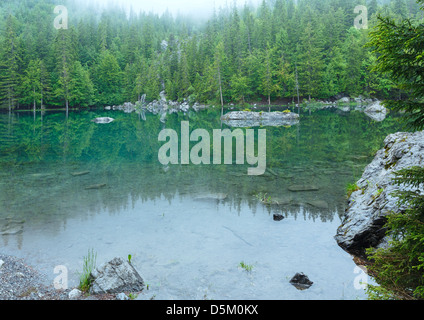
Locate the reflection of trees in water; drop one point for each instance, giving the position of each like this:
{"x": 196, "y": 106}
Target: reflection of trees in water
{"x": 37, "y": 158}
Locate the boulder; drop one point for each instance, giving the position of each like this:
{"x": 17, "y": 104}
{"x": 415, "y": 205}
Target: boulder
{"x": 363, "y": 224}
{"x": 344, "y": 100}
{"x": 116, "y": 276}
{"x": 376, "y": 111}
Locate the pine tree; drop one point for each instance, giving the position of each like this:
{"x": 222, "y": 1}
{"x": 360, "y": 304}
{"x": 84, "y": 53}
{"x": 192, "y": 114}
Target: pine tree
{"x": 354, "y": 54}
{"x": 31, "y": 86}
{"x": 81, "y": 88}
{"x": 268, "y": 84}
{"x": 64, "y": 47}
{"x": 108, "y": 76}
{"x": 310, "y": 57}
{"x": 218, "y": 69}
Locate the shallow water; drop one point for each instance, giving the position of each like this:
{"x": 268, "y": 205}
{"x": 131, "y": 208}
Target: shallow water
{"x": 68, "y": 186}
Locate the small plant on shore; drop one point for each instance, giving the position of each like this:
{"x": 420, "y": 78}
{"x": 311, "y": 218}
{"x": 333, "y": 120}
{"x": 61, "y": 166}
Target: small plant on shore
{"x": 89, "y": 264}
{"x": 247, "y": 267}
{"x": 129, "y": 258}
{"x": 264, "y": 198}
{"x": 132, "y": 296}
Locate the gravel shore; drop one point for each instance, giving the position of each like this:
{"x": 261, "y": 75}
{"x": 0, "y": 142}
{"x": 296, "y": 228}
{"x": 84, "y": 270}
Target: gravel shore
{"x": 19, "y": 281}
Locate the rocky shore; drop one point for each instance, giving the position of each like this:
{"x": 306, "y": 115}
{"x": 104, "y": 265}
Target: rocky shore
{"x": 19, "y": 281}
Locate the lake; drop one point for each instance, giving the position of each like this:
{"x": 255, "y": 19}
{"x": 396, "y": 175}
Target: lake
{"x": 68, "y": 186}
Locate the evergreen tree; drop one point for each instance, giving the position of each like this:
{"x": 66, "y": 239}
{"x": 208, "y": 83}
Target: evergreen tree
{"x": 108, "y": 75}
{"x": 81, "y": 88}
{"x": 268, "y": 83}
{"x": 310, "y": 58}
{"x": 31, "y": 86}
{"x": 64, "y": 48}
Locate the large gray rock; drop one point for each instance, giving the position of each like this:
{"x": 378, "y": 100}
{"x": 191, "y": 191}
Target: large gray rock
{"x": 116, "y": 276}
{"x": 368, "y": 208}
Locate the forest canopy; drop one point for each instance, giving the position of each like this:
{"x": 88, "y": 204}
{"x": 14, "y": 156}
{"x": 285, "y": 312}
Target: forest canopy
{"x": 242, "y": 53}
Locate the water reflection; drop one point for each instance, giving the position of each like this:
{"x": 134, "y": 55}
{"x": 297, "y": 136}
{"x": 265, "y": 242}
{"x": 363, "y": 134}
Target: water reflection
{"x": 53, "y": 169}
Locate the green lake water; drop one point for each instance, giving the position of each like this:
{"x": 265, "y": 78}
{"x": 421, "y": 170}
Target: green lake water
{"x": 71, "y": 185}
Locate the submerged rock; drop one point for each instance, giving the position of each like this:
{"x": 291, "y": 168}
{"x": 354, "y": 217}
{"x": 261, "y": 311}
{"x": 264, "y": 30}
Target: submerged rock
{"x": 301, "y": 281}
{"x": 11, "y": 227}
{"x": 82, "y": 173}
{"x": 362, "y": 226}
{"x": 211, "y": 196}
{"x": 116, "y": 276}
{"x": 319, "y": 204}
{"x": 96, "y": 186}
{"x": 302, "y": 187}
{"x": 278, "y": 217}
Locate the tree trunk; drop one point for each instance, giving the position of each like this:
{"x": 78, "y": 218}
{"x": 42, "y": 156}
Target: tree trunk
{"x": 269, "y": 102}
{"x": 35, "y": 103}
{"x": 220, "y": 91}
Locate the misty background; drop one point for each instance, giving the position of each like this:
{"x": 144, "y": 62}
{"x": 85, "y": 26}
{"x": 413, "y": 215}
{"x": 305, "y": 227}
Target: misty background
{"x": 194, "y": 8}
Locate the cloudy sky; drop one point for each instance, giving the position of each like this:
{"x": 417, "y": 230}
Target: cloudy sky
{"x": 182, "y": 6}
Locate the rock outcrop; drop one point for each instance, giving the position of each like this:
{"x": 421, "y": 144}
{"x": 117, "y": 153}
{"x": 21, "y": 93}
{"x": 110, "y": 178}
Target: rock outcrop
{"x": 363, "y": 224}
{"x": 161, "y": 106}
{"x": 116, "y": 276}
{"x": 253, "y": 119}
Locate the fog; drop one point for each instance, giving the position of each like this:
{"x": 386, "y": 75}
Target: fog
{"x": 194, "y": 8}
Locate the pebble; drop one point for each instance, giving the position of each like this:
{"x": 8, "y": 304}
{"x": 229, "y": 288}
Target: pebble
{"x": 122, "y": 296}
{"x": 74, "y": 294}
